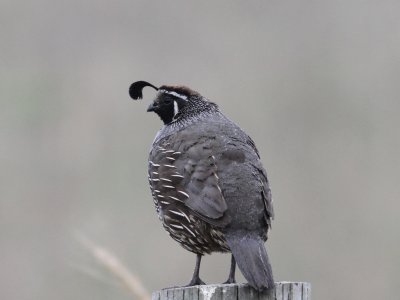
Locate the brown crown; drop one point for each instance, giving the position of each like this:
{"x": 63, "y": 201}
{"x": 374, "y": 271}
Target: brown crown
{"x": 180, "y": 89}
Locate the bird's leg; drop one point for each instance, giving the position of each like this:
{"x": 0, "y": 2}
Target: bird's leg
{"x": 231, "y": 278}
{"x": 196, "y": 278}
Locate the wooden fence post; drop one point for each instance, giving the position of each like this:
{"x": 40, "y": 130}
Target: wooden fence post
{"x": 282, "y": 291}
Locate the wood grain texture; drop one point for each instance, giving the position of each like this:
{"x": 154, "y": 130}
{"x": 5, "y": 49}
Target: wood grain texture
{"x": 282, "y": 291}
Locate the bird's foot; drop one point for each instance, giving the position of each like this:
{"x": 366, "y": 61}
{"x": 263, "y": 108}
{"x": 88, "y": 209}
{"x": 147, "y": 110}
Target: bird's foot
{"x": 196, "y": 278}
{"x": 195, "y": 281}
{"x": 231, "y": 277}
{"x": 230, "y": 281}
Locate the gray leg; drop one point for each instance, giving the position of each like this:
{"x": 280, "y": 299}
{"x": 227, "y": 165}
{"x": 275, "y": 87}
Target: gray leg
{"x": 196, "y": 278}
{"x": 231, "y": 278}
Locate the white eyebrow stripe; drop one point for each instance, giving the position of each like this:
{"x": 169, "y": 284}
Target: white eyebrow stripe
{"x": 183, "y": 97}
{"x": 176, "y": 108}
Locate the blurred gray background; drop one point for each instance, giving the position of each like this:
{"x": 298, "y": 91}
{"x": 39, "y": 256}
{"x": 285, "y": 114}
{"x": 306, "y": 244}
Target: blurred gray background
{"x": 315, "y": 83}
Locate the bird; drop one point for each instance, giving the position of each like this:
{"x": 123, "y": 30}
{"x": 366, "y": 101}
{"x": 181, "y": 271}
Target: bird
{"x": 209, "y": 187}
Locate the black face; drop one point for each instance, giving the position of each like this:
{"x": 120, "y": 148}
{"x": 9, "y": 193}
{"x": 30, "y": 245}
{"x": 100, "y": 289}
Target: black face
{"x": 167, "y": 107}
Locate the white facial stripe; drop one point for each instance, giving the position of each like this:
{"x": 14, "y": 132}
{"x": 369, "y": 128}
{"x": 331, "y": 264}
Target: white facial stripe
{"x": 176, "y": 108}
{"x": 183, "y": 97}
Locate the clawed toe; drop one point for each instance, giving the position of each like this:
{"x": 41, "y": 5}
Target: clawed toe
{"x": 195, "y": 282}
{"x": 230, "y": 281}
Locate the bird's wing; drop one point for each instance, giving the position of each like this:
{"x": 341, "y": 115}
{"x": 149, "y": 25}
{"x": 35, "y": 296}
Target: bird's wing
{"x": 266, "y": 195}
{"x": 189, "y": 176}
{"x": 206, "y": 195}
{"x": 266, "y": 191}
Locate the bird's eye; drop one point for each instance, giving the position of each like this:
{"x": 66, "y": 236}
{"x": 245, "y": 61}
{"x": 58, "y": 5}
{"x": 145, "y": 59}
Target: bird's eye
{"x": 167, "y": 101}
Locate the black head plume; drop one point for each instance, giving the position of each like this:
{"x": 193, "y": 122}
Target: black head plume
{"x": 135, "y": 90}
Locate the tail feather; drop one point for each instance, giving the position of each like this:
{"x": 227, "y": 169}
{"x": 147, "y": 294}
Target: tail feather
{"x": 252, "y": 259}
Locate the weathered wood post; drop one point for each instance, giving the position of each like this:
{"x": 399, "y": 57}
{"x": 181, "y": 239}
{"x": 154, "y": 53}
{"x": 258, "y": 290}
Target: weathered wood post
{"x": 282, "y": 291}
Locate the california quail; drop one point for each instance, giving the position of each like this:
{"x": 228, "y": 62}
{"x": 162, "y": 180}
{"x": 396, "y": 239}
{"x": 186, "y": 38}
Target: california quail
{"x": 209, "y": 187}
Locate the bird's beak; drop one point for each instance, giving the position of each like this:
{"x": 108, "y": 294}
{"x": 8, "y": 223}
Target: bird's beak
{"x": 150, "y": 108}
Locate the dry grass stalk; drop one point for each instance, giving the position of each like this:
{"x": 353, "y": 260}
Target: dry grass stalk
{"x": 114, "y": 265}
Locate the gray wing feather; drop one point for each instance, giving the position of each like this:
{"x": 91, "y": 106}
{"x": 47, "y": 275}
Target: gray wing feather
{"x": 192, "y": 172}
{"x": 205, "y": 195}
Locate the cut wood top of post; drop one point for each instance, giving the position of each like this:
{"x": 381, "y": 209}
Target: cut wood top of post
{"x": 282, "y": 291}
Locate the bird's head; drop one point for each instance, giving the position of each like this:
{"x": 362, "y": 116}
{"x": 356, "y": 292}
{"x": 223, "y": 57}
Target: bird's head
{"x": 173, "y": 102}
